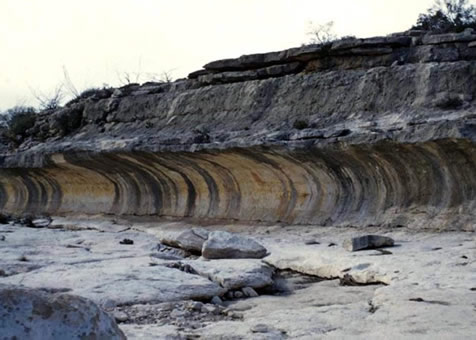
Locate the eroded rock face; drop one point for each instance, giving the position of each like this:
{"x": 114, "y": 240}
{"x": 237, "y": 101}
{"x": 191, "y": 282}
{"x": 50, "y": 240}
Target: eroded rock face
{"x": 376, "y": 131}
{"x": 27, "y": 313}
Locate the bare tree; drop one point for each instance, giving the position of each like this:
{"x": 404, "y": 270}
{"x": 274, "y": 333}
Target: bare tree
{"x": 51, "y": 101}
{"x": 68, "y": 84}
{"x": 321, "y": 34}
{"x": 126, "y": 78}
{"x": 163, "y": 77}
{"x": 166, "y": 77}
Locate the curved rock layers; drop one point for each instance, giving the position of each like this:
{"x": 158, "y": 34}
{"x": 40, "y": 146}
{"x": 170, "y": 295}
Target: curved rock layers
{"x": 428, "y": 185}
{"x": 356, "y": 141}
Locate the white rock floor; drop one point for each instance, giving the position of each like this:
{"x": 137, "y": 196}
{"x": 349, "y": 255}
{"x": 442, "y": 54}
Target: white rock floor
{"x": 424, "y": 288}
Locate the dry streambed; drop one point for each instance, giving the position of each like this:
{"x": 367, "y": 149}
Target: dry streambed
{"x": 167, "y": 280}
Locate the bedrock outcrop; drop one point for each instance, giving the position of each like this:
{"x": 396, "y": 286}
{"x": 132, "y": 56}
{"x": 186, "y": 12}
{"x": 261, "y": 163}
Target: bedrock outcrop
{"x": 357, "y": 132}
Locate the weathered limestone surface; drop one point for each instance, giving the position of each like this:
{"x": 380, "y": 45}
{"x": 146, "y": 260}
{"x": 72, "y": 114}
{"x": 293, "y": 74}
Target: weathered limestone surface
{"x": 360, "y": 132}
{"x": 425, "y": 288}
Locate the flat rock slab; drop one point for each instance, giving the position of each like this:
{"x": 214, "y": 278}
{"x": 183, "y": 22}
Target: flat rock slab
{"x": 35, "y": 314}
{"x": 93, "y": 264}
{"x": 367, "y": 242}
{"x": 120, "y": 281}
{"x": 235, "y": 274}
{"x": 225, "y": 245}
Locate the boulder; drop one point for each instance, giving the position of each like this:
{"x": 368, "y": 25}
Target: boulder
{"x": 37, "y": 314}
{"x": 191, "y": 240}
{"x": 367, "y": 242}
{"x": 225, "y": 245}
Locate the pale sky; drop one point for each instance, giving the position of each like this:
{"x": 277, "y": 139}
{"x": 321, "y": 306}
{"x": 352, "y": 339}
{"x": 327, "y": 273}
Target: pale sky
{"x": 97, "y": 41}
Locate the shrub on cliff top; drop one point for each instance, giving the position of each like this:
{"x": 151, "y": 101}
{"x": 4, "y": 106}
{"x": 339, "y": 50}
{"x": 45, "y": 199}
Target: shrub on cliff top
{"x": 448, "y": 16}
{"x": 19, "y": 119}
{"x": 15, "y": 122}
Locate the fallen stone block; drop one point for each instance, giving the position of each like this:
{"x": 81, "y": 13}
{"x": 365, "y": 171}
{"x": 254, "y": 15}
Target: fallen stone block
{"x": 225, "y": 245}
{"x": 367, "y": 242}
{"x": 191, "y": 240}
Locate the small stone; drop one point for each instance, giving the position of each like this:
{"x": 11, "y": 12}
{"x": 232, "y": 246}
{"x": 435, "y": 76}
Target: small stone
{"x": 120, "y": 316}
{"x": 367, "y": 242}
{"x": 195, "y": 305}
{"x": 209, "y": 308}
{"x": 311, "y": 242}
{"x": 235, "y": 315}
{"x": 216, "y": 300}
{"x": 260, "y": 328}
{"x": 126, "y": 241}
{"x": 176, "y": 313}
{"x": 418, "y": 299}
{"x": 2, "y": 238}
{"x": 238, "y": 294}
{"x": 348, "y": 280}
{"x": 42, "y": 222}
{"x": 249, "y": 292}
{"x": 29, "y": 222}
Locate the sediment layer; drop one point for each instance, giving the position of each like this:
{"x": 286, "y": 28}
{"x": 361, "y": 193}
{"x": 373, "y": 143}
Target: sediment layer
{"x": 376, "y": 131}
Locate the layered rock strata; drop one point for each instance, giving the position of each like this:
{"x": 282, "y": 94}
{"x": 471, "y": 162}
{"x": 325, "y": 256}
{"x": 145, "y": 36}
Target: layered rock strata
{"x": 357, "y": 132}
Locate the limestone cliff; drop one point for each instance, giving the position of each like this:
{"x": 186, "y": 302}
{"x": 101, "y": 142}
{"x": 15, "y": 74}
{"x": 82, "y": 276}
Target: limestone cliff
{"x": 358, "y": 132}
